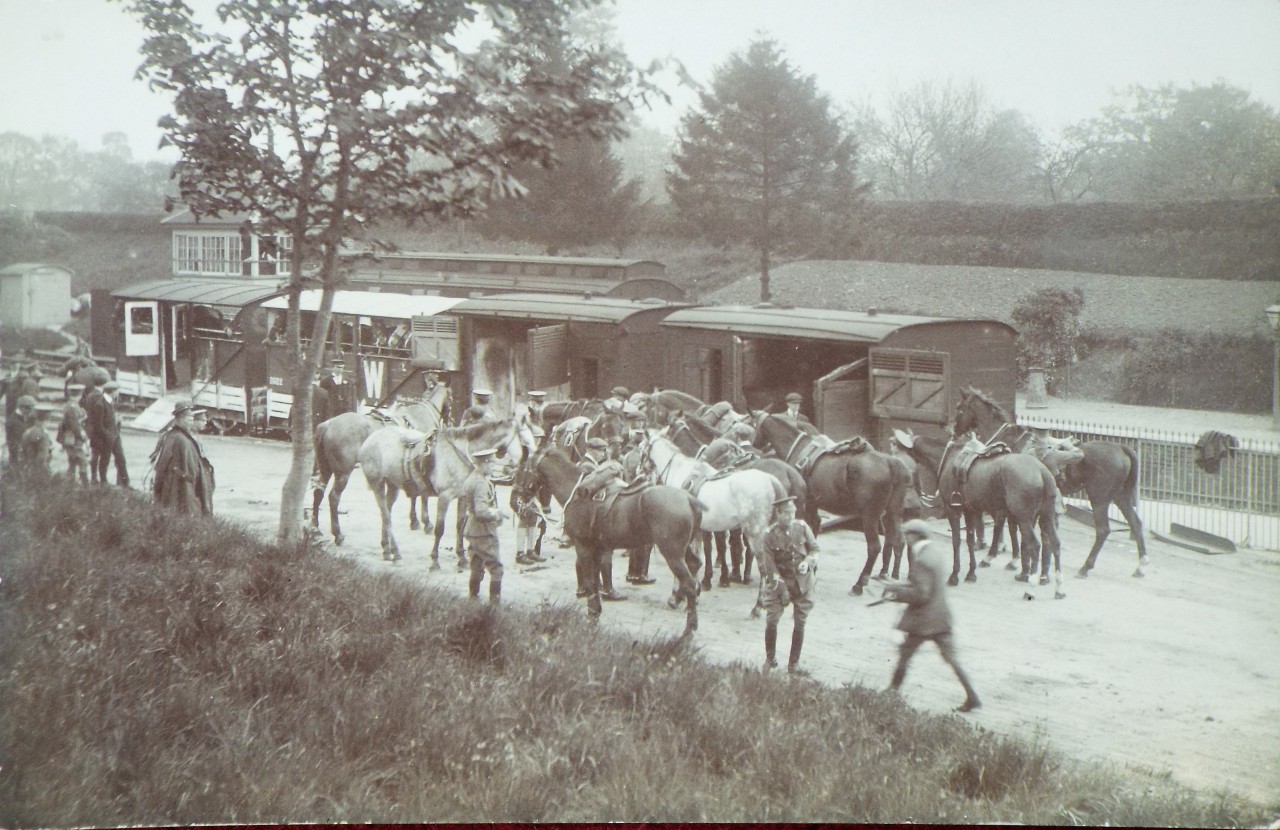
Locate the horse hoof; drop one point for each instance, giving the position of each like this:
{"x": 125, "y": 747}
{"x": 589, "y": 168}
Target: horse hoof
{"x": 339, "y": 539}
{"x": 706, "y": 586}
{"x": 725, "y": 582}
{"x": 673, "y": 603}
{"x": 1021, "y": 578}
{"x": 1059, "y": 595}
{"x": 1083, "y": 573}
{"x": 971, "y": 577}
{"x": 953, "y": 580}
{"x": 855, "y": 591}
{"x": 1011, "y": 567}
{"x": 985, "y": 563}
{"x": 414, "y": 525}
{"x": 1044, "y": 580}
{"x": 1138, "y": 574}
{"x": 435, "y": 566}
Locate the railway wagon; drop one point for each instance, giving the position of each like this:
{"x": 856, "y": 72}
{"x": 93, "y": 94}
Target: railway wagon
{"x": 194, "y": 339}
{"x": 569, "y": 346}
{"x": 384, "y": 342}
{"x": 860, "y": 373}
{"x": 468, "y": 275}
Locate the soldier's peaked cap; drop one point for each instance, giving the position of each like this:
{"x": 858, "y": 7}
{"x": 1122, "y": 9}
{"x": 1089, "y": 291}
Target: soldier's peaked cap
{"x": 794, "y": 397}
{"x": 481, "y": 393}
{"x": 621, "y": 391}
{"x": 784, "y": 500}
{"x": 597, "y": 444}
{"x": 537, "y": 394}
{"x": 485, "y": 453}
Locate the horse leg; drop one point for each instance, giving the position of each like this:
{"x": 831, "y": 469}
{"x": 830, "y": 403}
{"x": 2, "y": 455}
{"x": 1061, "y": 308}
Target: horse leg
{"x": 1050, "y": 543}
{"x": 459, "y": 523}
{"x": 318, "y": 486}
{"x": 970, "y": 536}
{"x": 335, "y": 496}
{"x": 384, "y": 513}
{"x": 1135, "y": 532}
{"x": 588, "y": 567}
{"x": 871, "y": 532}
{"x": 1101, "y": 530}
{"x": 708, "y": 561}
{"x": 748, "y": 555}
{"x": 721, "y": 538}
{"x": 1030, "y": 549}
{"x": 442, "y": 507}
{"x": 414, "y": 524}
{"x": 392, "y": 548}
{"x": 426, "y": 516}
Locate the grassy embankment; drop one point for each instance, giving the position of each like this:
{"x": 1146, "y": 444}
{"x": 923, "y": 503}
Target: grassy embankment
{"x": 161, "y": 670}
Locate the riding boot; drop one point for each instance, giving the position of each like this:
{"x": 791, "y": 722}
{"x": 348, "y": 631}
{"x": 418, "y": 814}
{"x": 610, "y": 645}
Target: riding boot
{"x": 474, "y": 584}
{"x": 495, "y": 591}
{"x": 770, "y": 646}
{"x": 797, "y": 643}
{"x": 521, "y": 558}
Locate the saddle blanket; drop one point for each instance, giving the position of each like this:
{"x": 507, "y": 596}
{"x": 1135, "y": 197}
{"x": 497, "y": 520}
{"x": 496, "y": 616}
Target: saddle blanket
{"x": 695, "y": 482}
{"x": 974, "y": 450}
{"x": 822, "y": 445}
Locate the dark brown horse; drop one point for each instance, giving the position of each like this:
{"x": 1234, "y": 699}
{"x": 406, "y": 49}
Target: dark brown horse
{"x": 1015, "y": 485}
{"x": 659, "y": 405}
{"x": 572, "y": 434}
{"x": 656, "y": 515}
{"x": 870, "y": 485}
{"x": 1108, "y": 473}
{"x": 554, "y": 413}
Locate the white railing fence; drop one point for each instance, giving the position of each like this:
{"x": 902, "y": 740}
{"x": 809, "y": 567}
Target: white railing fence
{"x": 1240, "y": 502}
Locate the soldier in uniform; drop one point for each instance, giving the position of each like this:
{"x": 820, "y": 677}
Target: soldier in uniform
{"x": 72, "y": 435}
{"x": 788, "y": 571}
{"x": 16, "y": 424}
{"x": 637, "y": 558}
{"x": 529, "y": 420}
{"x": 36, "y": 450}
{"x": 927, "y": 616}
{"x": 334, "y": 387}
{"x": 479, "y": 409}
{"x": 600, "y": 469}
{"x": 479, "y": 502}
{"x": 184, "y": 475}
{"x": 618, "y": 400}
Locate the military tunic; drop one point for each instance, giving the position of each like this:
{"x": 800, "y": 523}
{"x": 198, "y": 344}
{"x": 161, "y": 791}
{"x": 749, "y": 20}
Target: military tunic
{"x": 480, "y": 502}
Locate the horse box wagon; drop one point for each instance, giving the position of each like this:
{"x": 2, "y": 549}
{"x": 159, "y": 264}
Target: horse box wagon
{"x": 860, "y": 373}
{"x": 569, "y": 346}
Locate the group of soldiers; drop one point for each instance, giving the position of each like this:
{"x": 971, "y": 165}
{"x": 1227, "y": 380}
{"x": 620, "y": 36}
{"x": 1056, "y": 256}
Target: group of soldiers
{"x": 89, "y": 431}
{"x": 89, "y": 434}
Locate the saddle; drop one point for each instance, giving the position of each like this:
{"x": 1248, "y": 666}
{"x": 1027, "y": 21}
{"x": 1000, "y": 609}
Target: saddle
{"x": 821, "y": 445}
{"x": 700, "y": 477}
{"x": 975, "y": 449}
{"x": 418, "y": 447}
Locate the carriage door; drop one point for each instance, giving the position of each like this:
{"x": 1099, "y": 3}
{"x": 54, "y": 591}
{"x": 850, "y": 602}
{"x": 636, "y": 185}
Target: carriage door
{"x": 702, "y": 373}
{"x": 178, "y": 355}
{"x": 909, "y": 389}
{"x": 141, "y": 329}
{"x": 840, "y": 401}
{"x": 547, "y": 360}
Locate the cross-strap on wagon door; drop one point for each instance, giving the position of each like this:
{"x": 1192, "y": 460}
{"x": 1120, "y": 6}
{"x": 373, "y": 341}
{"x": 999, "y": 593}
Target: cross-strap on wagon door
{"x": 909, "y": 385}
{"x": 840, "y": 401}
{"x": 548, "y": 350}
{"x": 435, "y": 339}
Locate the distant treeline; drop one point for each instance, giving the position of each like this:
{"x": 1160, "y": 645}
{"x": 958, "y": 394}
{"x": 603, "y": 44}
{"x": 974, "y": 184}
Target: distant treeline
{"x": 1232, "y": 240}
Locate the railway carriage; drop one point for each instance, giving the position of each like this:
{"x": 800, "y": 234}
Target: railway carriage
{"x": 860, "y": 373}
{"x": 570, "y": 346}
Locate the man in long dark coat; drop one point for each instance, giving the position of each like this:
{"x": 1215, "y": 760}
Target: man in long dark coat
{"x": 184, "y": 476}
{"x": 103, "y": 426}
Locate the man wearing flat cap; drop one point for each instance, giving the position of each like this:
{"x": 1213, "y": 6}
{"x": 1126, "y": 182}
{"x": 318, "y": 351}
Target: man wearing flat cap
{"x": 927, "y": 616}
{"x": 617, "y": 400}
{"x": 103, "y": 425}
{"x": 793, "y": 412}
{"x": 479, "y": 503}
{"x": 788, "y": 572}
{"x": 183, "y": 474}
{"x": 16, "y": 425}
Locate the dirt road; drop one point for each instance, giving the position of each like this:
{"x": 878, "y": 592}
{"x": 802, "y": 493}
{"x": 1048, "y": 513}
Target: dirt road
{"x": 1178, "y": 672}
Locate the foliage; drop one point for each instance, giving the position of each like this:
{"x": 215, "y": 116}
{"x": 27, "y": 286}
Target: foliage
{"x": 54, "y": 173}
{"x": 1184, "y": 370}
{"x": 321, "y": 118}
{"x": 763, "y": 158}
{"x": 582, "y": 201}
{"x": 947, "y": 141}
{"x": 170, "y": 671}
{"x": 24, "y": 239}
{"x": 1172, "y": 143}
{"x": 1048, "y": 323}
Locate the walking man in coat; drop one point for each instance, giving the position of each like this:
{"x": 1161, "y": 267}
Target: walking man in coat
{"x": 184, "y": 476}
{"x": 479, "y": 503}
{"x": 927, "y": 616}
{"x": 788, "y": 572}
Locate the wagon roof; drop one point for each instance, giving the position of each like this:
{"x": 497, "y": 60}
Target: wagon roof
{"x": 593, "y": 309}
{"x": 373, "y": 303}
{"x": 237, "y": 293}
{"x": 433, "y": 256}
{"x": 813, "y": 323}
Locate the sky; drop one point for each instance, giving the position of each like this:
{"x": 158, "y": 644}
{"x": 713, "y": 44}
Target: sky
{"x": 67, "y": 66}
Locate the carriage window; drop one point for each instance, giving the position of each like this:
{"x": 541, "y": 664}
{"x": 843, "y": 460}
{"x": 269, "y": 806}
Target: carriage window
{"x": 142, "y": 320}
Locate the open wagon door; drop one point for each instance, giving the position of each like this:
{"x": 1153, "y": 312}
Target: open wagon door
{"x": 434, "y": 341}
{"x": 909, "y": 386}
{"x": 840, "y": 401}
{"x": 548, "y": 356}
{"x": 142, "y": 329}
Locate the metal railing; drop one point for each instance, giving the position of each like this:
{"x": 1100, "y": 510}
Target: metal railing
{"x": 1240, "y": 502}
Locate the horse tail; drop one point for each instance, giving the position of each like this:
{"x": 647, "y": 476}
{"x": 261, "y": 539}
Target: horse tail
{"x": 779, "y": 492}
{"x": 1131, "y": 479}
{"x": 319, "y": 463}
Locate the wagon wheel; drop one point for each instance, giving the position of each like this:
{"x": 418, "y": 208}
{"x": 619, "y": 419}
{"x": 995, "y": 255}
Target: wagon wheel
{"x": 223, "y": 425}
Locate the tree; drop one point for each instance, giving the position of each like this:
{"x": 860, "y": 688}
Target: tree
{"x": 1048, "y": 322}
{"x": 580, "y": 202}
{"x": 320, "y": 119}
{"x": 1177, "y": 144}
{"x": 948, "y": 142}
{"x": 764, "y": 158}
